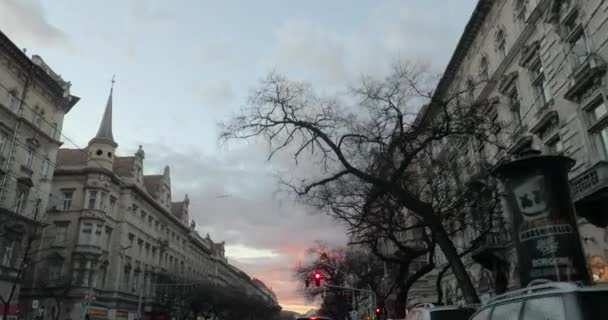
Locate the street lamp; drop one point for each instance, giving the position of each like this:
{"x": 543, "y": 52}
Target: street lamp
{"x": 544, "y": 224}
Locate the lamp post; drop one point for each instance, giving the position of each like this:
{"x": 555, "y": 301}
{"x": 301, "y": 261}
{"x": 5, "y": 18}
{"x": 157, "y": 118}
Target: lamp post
{"x": 544, "y": 227}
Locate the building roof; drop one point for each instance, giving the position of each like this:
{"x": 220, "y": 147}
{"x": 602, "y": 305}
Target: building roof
{"x": 152, "y": 183}
{"x": 468, "y": 36}
{"x": 24, "y": 61}
{"x": 104, "y": 134}
{"x": 123, "y": 166}
{"x": 71, "y": 157}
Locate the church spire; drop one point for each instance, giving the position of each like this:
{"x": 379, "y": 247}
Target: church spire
{"x": 104, "y": 134}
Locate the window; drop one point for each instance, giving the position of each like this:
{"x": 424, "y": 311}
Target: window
{"x": 2, "y": 144}
{"x": 112, "y": 204}
{"x": 61, "y": 233}
{"x": 521, "y": 6}
{"x": 135, "y": 280}
{"x": 150, "y": 220}
{"x": 7, "y": 248}
{"x": 140, "y": 243}
{"x": 127, "y": 277}
{"x": 85, "y": 232}
{"x": 598, "y": 113}
{"x": 92, "y": 199}
{"x": 515, "y": 105}
{"x": 543, "y": 308}
{"x": 103, "y": 271}
{"x": 138, "y": 174}
{"x": 102, "y": 201}
{"x": 37, "y": 206}
{"x": 575, "y": 35}
{"x": 13, "y": 101}
{"x": 45, "y": 167}
{"x": 501, "y": 44}
{"x": 470, "y": 90}
{"x": 20, "y": 201}
{"x": 540, "y": 83}
{"x": 483, "y": 68}
{"x": 67, "y": 200}
{"x": 134, "y": 208}
{"x": 29, "y": 158}
{"x": 54, "y": 270}
{"x": 143, "y": 215}
{"x": 459, "y": 314}
{"x": 593, "y": 304}
{"x": 555, "y": 146}
{"x": 108, "y": 236}
{"x": 507, "y": 311}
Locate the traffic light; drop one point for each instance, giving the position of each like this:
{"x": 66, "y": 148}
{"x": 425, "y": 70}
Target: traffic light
{"x": 378, "y": 311}
{"x": 317, "y": 276}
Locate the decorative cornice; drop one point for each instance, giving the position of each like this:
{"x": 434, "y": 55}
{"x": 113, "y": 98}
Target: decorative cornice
{"x": 26, "y": 63}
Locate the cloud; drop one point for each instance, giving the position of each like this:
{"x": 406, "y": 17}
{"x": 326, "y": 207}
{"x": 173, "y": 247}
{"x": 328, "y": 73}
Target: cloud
{"x": 234, "y": 198}
{"x": 424, "y": 31}
{"x": 213, "y": 53}
{"x": 217, "y": 93}
{"x": 26, "y": 20}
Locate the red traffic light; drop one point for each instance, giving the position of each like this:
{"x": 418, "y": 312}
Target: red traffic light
{"x": 377, "y": 311}
{"x": 317, "y": 276}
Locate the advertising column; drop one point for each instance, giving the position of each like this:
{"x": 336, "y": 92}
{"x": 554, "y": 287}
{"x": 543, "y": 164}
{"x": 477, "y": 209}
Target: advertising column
{"x": 544, "y": 224}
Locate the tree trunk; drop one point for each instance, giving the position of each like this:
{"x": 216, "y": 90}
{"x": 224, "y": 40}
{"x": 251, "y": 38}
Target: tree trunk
{"x": 460, "y": 273}
{"x": 5, "y": 312}
{"x": 438, "y": 286}
{"x": 400, "y": 301}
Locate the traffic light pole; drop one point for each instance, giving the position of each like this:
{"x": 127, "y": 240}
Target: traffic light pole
{"x": 373, "y": 294}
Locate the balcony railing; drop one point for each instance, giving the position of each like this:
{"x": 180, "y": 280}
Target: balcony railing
{"x": 585, "y": 77}
{"x": 590, "y": 181}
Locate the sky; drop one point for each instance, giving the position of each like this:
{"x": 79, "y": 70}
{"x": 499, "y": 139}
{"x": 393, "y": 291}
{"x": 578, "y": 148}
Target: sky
{"x": 183, "y": 66}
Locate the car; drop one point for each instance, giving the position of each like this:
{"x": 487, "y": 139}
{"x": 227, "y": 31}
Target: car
{"x": 314, "y": 318}
{"x": 429, "y": 311}
{"x": 554, "y": 301}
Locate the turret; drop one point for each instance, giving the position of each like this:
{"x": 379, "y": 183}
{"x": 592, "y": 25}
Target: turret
{"x": 102, "y": 147}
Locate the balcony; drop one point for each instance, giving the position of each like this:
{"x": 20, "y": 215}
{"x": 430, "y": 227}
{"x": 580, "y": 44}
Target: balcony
{"x": 585, "y": 78}
{"x": 489, "y": 249}
{"x": 92, "y": 214}
{"x": 590, "y": 182}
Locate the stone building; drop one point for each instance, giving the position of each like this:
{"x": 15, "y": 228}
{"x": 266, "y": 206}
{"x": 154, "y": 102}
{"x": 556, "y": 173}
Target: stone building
{"x": 543, "y": 63}
{"x": 117, "y": 245}
{"x": 33, "y": 102}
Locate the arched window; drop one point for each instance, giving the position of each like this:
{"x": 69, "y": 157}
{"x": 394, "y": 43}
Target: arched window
{"x": 483, "y": 68}
{"x": 500, "y": 41}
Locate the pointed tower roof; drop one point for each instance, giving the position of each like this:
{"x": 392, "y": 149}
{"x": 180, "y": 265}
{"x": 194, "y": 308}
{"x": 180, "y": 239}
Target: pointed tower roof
{"x": 104, "y": 134}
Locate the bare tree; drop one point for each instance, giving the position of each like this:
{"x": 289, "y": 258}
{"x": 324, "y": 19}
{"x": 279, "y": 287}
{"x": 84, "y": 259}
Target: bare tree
{"x": 12, "y": 229}
{"x": 381, "y": 147}
{"x": 56, "y": 289}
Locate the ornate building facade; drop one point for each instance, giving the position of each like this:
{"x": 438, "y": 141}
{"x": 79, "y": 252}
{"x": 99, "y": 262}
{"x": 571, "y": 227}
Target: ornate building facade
{"x": 117, "y": 246}
{"x": 33, "y": 103}
{"x": 543, "y": 63}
